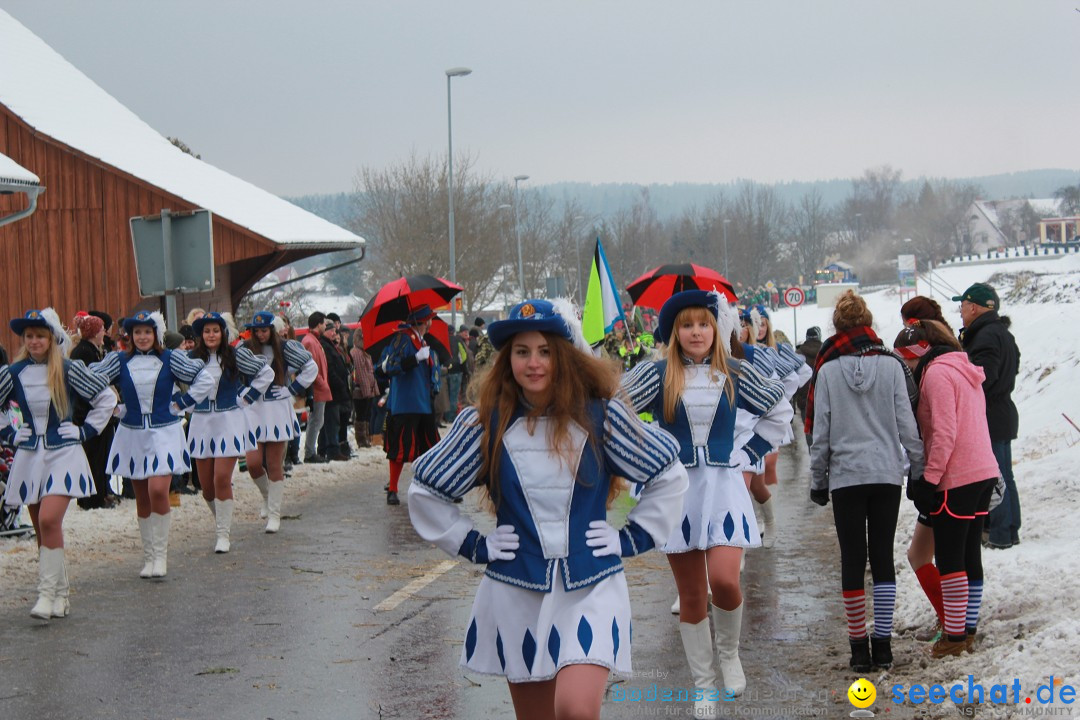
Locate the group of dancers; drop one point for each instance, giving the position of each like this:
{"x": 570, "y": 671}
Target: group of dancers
{"x": 239, "y": 398}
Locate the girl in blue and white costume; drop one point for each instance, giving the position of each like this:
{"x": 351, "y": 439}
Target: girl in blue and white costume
{"x": 694, "y": 394}
{"x": 50, "y": 466}
{"x": 778, "y": 361}
{"x": 271, "y": 421}
{"x": 219, "y": 428}
{"x": 149, "y": 446}
{"x": 546, "y": 442}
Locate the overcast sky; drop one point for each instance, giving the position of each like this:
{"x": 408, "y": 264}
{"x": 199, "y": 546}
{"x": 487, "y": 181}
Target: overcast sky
{"x": 297, "y": 96}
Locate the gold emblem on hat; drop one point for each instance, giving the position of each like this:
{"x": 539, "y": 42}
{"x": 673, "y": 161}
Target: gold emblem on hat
{"x": 527, "y": 310}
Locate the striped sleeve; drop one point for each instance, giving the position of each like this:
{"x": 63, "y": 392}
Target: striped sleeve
{"x": 764, "y": 360}
{"x": 247, "y": 362}
{"x": 765, "y": 398}
{"x": 296, "y": 355}
{"x": 6, "y": 432}
{"x": 788, "y": 361}
{"x": 109, "y": 367}
{"x": 757, "y": 393}
{"x": 642, "y": 385}
{"x": 86, "y": 382}
{"x": 184, "y": 367}
{"x": 452, "y": 467}
{"x": 634, "y": 450}
{"x": 300, "y": 361}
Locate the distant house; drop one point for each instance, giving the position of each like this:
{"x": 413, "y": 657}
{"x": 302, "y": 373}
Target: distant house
{"x": 836, "y": 272}
{"x": 993, "y": 224}
{"x": 102, "y": 165}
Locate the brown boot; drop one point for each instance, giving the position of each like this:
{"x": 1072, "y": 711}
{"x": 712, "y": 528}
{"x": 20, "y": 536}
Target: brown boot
{"x": 969, "y": 643}
{"x": 947, "y": 647}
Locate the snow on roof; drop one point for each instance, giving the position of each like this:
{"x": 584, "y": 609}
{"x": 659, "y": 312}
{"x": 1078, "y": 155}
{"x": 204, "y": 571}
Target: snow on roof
{"x": 58, "y": 100}
{"x": 1045, "y": 207}
{"x": 989, "y": 210}
{"x": 13, "y": 173}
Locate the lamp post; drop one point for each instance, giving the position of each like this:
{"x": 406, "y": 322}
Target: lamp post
{"x": 857, "y": 223}
{"x": 451, "y": 73}
{"x": 517, "y": 233}
{"x": 726, "y": 273}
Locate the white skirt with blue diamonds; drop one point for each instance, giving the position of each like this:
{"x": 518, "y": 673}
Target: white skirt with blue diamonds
{"x": 40, "y": 472}
{"x": 140, "y": 453}
{"x": 222, "y": 433}
{"x": 528, "y": 636}
{"x": 271, "y": 421}
{"x": 717, "y": 510}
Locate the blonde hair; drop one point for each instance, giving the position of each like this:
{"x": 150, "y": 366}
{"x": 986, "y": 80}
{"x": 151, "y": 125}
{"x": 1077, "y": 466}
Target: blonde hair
{"x": 193, "y": 315}
{"x": 54, "y": 361}
{"x": 770, "y": 337}
{"x": 851, "y": 312}
{"x": 675, "y": 377}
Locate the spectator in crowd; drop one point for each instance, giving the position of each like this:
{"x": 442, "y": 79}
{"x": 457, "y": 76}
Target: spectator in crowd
{"x": 990, "y": 345}
{"x": 89, "y": 350}
{"x": 808, "y": 349}
{"x": 106, "y": 319}
{"x": 337, "y": 377}
{"x": 365, "y": 389}
{"x": 320, "y": 389}
{"x": 484, "y": 351}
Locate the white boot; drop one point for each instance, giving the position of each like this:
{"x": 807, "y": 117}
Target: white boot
{"x": 275, "y": 492}
{"x": 159, "y": 525}
{"x": 50, "y": 568}
{"x": 61, "y": 606}
{"x": 146, "y": 530}
{"x": 728, "y": 626}
{"x": 768, "y": 538}
{"x": 224, "y": 524}
{"x": 698, "y": 645}
{"x": 212, "y": 504}
{"x": 261, "y": 482}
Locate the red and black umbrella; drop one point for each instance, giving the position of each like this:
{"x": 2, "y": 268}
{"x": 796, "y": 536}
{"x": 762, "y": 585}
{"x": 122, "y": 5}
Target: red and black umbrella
{"x": 438, "y": 335}
{"x": 654, "y": 287}
{"x": 395, "y": 300}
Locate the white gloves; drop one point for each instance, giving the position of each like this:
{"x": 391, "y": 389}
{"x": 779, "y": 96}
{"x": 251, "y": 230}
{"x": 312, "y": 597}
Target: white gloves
{"x": 175, "y": 409}
{"x": 423, "y": 353}
{"x": 119, "y": 410}
{"x": 69, "y": 431}
{"x": 604, "y": 538}
{"x": 246, "y": 396}
{"x": 23, "y": 434}
{"x": 501, "y": 542}
{"x": 740, "y": 460}
{"x": 277, "y": 392}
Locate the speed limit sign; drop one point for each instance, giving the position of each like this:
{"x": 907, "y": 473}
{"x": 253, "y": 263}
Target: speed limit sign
{"x": 794, "y": 296}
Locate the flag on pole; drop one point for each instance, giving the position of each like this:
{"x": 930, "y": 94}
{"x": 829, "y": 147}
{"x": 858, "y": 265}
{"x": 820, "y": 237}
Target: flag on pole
{"x": 602, "y": 306}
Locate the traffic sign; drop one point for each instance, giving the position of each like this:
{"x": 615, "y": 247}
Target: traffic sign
{"x": 794, "y": 297}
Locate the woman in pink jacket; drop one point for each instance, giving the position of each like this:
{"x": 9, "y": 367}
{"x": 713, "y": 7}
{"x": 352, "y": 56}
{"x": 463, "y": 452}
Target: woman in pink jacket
{"x": 960, "y": 471}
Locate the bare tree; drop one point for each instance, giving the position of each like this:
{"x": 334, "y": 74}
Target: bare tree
{"x": 811, "y": 224}
{"x": 758, "y": 221}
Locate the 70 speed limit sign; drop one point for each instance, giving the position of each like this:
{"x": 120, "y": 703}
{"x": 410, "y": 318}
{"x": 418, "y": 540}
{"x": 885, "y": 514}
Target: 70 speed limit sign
{"x": 794, "y": 297}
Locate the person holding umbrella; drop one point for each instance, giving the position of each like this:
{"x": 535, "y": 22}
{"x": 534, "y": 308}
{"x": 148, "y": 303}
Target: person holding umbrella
{"x": 411, "y": 428}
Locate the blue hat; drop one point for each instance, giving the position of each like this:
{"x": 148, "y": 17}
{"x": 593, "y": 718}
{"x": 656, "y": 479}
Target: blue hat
{"x": 212, "y": 317}
{"x": 32, "y": 318}
{"x": 680, "y": 301}
{"x": 762, "y": 311}
{"x": 261, "y": 319}
{"x": 419, "y": 315}
{"x": 531, "y": 315}
{"x": 145, "y": 317}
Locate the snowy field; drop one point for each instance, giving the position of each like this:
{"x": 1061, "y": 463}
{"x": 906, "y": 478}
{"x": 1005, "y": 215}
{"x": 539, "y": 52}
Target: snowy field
{"x": 1031, "y": 611}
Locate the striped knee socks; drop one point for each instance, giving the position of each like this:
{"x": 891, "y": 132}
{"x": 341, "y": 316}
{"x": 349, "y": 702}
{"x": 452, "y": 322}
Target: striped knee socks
{"x": 974, "y": 604}
{"x": 884, "y": 604}
{"x": 954, "y": 594}
{"x": 855, "y": 609}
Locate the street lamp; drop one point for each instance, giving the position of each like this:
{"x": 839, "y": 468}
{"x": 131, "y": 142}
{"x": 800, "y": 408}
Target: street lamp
{"x": 726, "y": 273}
{"x": 517, "y": 232}
{"x": 451, "y": 73}
{"x": 857, "y": 223}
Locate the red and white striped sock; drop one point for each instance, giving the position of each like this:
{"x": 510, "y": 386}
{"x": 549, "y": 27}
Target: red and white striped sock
{"x": 954, "y": 594}
{"x": 855, "y": 609}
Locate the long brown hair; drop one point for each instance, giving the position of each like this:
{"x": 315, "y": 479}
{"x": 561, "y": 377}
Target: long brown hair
{"x": 576, "y": 378}
{"x": 278, "y": 361}
{"x": 54, "y": 372}
{"x": 675, "y": 377}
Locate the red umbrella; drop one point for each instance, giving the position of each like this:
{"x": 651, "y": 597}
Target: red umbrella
{"x": 397, "y": 298}
{"x": 654, "y": 287}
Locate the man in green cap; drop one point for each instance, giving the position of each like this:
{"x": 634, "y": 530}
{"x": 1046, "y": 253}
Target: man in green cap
{"x": 990, "y": 345}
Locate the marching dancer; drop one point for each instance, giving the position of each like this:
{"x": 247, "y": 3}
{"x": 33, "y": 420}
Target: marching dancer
{"x": 150, "y": 446}
{"x": 50, "y": 466}
{"x": 546, "y": 439}
{"x": 695, "y": 394}
{"x": 218, "y": 434}
{"x": 271, "y": 420}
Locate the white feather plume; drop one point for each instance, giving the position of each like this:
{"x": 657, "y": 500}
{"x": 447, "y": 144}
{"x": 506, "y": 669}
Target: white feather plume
{"x": 755, "y": 321}
{"x": 159, "y": 326}
{"x": 279, "y": 324}
{"x": 727, "y": 317}
{"x": 569, "y": 312}
{"x": 52, "y": 319}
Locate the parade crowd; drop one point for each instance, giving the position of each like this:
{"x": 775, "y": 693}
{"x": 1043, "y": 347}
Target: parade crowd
{"x": 687, "y": 414}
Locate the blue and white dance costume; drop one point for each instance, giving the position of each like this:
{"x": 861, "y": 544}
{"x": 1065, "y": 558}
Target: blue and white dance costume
{"x": 554, "y": 604}
{"x": 150, "y": 440}
{"x": 49, "y": 458}
{"x": 717, "y": 507}
{"x": 219, "y": 426}
{"x": 272, "y": 418}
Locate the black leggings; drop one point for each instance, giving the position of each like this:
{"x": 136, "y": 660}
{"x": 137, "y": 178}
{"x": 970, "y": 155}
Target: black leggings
{"x": 861, "y": 511}
{"x": 957, "y": 541}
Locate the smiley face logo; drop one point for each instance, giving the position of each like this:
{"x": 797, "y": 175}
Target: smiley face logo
{"x": 862, "y": 693}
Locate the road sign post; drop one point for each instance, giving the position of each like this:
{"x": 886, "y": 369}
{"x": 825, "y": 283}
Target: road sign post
{"x": 794, "y": 297}
{"x": 174, "y": 252}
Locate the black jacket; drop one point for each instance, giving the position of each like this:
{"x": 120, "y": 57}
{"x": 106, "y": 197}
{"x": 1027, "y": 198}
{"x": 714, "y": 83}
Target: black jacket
{"x": 991, "y": 346}
{"x": 337, "y": 372}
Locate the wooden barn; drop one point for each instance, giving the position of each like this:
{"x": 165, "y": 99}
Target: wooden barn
{"x": 101, "y": 165}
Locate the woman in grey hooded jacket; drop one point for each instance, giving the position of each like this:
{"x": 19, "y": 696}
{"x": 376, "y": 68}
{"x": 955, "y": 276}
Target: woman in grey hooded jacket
{"x": 864, "y": 437}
